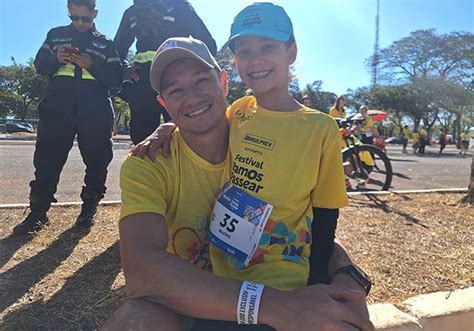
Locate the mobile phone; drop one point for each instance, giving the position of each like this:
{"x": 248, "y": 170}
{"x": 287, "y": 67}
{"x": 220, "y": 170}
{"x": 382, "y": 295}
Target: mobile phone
{"x": 71, "y": 50}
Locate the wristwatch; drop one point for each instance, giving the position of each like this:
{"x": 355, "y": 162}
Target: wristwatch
{"x": 358, "y": 275}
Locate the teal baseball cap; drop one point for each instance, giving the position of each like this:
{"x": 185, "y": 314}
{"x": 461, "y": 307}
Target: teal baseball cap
{"x": 261, "y": 19}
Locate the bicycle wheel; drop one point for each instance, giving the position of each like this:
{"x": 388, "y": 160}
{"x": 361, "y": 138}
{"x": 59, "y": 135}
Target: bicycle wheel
{"x": 367, "y": 168}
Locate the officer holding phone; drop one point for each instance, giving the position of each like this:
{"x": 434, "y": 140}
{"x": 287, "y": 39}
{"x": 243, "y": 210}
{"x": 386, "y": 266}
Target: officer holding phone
{"x": 82, "y": 66}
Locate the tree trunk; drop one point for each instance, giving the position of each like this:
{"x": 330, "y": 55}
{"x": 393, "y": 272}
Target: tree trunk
{"x": 457, "y": 130}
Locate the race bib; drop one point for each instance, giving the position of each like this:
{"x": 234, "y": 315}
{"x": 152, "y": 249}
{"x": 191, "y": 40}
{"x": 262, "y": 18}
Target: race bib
{"x": 237, "y": 222}
{"x": 368, "y": 133}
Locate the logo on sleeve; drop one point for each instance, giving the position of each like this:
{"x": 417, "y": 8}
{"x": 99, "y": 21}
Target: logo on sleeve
{"x": 98, "y": 44}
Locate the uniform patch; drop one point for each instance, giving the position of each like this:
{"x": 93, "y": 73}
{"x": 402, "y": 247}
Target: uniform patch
{"x": 98, "y": 44}
{"x": 55, "y": 40}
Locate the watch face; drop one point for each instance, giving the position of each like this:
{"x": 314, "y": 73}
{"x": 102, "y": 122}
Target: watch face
{"x": 362, "y": 273}
{"x": 358, "y": 275}
{"x": 362, "y": 277}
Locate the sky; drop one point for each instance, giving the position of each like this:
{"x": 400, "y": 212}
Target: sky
{"x": 334, "y": 37}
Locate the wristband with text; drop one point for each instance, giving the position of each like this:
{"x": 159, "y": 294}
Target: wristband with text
{"x": 249, "y": 303}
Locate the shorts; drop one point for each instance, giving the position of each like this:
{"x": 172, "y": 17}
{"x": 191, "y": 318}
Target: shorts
{"x": 465, "y": 144}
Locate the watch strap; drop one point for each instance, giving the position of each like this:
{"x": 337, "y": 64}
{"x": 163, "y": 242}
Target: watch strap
{"x": 358, "y": 275}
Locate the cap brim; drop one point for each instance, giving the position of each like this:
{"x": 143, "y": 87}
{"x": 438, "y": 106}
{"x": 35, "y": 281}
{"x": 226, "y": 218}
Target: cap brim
{"x": 270, "y": 34}
{"x": 165, "y": 58}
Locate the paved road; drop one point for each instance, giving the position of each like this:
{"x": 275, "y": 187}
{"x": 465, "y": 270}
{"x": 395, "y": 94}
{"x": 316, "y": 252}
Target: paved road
{"x": 411, "y": 171}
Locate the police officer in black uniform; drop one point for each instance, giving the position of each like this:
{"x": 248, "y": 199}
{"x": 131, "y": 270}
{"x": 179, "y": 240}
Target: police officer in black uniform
{"x": 82, "y": 65}
{"x": 151, "y": 22}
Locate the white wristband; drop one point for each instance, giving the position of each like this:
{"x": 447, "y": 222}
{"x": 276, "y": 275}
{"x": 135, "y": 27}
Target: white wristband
{"x": 249, "y": 303}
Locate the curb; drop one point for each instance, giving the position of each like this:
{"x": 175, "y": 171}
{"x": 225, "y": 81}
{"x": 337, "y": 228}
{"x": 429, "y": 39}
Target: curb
{"x": 117, "y": 143}
{"x": 116, "y": 202}
{"x": 437, "y": 311}
{"x": 440, "y": 190}
{"x": 59, "y": 204}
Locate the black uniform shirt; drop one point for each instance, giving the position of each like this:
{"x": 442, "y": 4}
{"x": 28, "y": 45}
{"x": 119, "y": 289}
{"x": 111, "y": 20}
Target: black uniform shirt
{"x": 66, "y": 92}
{"x": 179, "y": 20}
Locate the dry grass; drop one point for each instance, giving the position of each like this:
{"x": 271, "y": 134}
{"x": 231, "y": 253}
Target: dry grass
{"x": 65, "y": 278}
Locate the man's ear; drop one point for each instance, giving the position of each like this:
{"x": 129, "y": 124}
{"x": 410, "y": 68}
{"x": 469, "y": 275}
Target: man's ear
{"x": 161, "y": 102}
{"x": 292, "y": 52}
{"x": 95, "y": 13}
{"x": 225, "y": 82}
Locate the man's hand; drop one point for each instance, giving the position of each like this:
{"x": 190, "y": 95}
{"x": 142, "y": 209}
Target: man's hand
{"x": 318, "y": 307}
{"x": 129, "y": 74}
{"x": 360, "y": 304}
{"x": 63, "y": 55}
{"x": 161, "y": 137}
{"x": 82, "y": 60}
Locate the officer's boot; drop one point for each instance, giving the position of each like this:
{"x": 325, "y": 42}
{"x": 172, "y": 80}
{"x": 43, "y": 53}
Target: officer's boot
{"x": 89, "y": 209}
{"x": 36, "y": 219}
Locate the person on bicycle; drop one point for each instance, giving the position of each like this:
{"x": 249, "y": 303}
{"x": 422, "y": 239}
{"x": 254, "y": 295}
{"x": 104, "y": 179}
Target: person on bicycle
{"x": 367, "y": 128}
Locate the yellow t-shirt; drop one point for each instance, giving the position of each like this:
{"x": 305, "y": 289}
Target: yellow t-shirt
{"x": 415, "y": 136}
{"x": 333, "y": 112}
{"x": 369, "y": 124}
{"x": 293, "y": 161}
{"x": 465, "y": 136}
{"x": 406, "y": 133}
{"x": 182, "y": 188}
{"x": 423, "y": 133}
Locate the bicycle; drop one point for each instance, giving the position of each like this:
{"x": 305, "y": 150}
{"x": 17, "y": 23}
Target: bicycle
{"x": 367, "y": 167}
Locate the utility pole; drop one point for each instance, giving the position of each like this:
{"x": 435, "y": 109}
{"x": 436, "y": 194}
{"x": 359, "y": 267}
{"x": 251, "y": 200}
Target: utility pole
{"x": 375, "y": 57}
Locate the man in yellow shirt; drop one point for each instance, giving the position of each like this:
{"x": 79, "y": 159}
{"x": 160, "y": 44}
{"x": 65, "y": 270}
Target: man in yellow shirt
{"x": 415, "y": 141}
{"x": 405, "y": 137}
{"x": 465, "y": 137}
{"x": 158, "y": 238}
{"x": 423, "y": 140}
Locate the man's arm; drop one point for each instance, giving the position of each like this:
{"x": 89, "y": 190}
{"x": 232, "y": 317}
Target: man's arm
{"x": 327, "y": 256}
{"x": 124, "y": 38}
{"x": 46, "y": 61}
{"x": 109, "y": 72}
{"x": 156, "y": 275}
{"x": 323, "y": 231}
{"x": 340, "y": 258}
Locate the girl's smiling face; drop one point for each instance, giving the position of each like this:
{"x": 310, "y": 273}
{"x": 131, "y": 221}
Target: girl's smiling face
{"x": 263, "y": 63}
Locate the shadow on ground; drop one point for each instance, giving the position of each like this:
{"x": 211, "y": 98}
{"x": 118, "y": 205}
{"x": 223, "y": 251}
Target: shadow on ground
{"x": 384, "y": 206}
{"x": 23, "y": 276}
{"x": 9, "y": 245}
{"x": 83, "y": 302}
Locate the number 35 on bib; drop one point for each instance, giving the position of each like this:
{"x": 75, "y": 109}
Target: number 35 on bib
{"x": 237, "y": 222}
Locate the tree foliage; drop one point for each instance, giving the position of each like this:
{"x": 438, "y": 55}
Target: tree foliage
{"x": 237, "y": 88}
{"x": 21, "y": 89}
{"x": 425, "y": 54}
{"x": 428, "y": 77}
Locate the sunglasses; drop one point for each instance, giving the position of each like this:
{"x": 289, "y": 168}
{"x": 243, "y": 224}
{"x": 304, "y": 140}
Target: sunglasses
{"x": 85, "y": 19}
